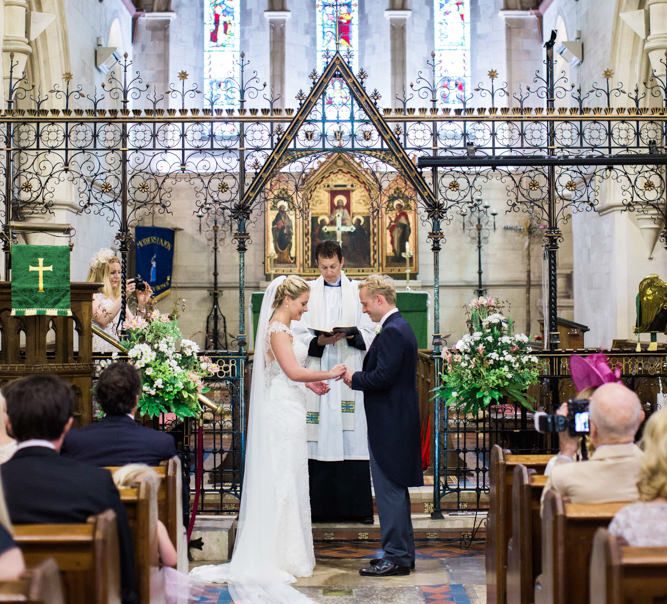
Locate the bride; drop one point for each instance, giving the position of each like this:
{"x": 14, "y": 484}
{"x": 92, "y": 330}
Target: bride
{"x": 274, "y": 542}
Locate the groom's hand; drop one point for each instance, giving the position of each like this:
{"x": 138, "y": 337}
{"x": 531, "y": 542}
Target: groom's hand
{"x": 347, "y": 378}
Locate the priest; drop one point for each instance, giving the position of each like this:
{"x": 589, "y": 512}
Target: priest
{"x": 340, "y": 487}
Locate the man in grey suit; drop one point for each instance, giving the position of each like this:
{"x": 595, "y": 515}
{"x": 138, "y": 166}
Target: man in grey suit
{"x": 389, "y": 382}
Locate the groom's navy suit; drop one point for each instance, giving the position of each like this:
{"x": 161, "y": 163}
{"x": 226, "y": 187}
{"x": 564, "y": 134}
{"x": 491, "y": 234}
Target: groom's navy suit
{"x": 389, "y": 382}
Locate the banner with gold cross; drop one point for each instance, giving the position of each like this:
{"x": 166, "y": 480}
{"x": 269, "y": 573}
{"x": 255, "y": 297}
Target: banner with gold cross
{"x": 40, "y": 280}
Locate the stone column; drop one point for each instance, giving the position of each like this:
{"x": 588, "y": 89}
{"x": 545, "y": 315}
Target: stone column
{"x": 152, "y": 49}
{"x": 398, "y": 45}
{"x": 523, "y": 47}
{"x": 277, "y": 20}
{"x": 15, "y": 38}
{"x": 656, "y": 41}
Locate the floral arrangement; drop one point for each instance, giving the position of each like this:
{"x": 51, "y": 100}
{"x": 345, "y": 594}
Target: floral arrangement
{"x": 172, "y": 372}
{"x": 490, "y": 364}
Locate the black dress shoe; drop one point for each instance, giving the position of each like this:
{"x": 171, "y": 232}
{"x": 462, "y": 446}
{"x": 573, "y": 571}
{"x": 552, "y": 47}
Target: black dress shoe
{"x": 375, "y": 561}
{"x": 384, "y": 568}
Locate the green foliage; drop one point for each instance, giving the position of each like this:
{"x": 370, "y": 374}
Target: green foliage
{"x": 489, "y": 365}
{"x": 171, "y": 370}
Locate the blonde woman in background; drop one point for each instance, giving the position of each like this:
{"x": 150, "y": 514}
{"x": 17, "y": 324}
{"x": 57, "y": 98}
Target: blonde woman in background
{"x": 644, "y": 524}
{"x": 105, "y": 268}
{"x": 126, "y": 477}
{"x": 11, "y": 558}
{"x": 7, "y": 443}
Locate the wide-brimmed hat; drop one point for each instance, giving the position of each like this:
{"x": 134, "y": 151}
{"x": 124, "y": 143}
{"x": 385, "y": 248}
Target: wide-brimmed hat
{"x": 592, "y": 371}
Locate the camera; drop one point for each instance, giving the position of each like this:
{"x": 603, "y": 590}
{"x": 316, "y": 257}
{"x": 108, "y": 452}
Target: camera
{"x": 576, "y": 422}
{"x": 139, "y": 284}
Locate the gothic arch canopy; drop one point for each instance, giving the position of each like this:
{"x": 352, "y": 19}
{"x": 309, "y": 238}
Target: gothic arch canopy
{"x": 391, "y": 152}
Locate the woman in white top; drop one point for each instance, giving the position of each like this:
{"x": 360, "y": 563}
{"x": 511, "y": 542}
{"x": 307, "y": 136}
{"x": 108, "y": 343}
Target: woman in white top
{"x": 105, "y": 269}
{"x": 644, "y": 524}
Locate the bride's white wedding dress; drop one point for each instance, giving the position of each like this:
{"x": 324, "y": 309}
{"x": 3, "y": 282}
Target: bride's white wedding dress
{"x": 274, "y": 542}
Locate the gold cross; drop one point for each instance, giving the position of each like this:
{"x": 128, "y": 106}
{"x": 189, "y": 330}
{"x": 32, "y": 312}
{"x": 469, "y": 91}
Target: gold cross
{"x": 41, "y": 269}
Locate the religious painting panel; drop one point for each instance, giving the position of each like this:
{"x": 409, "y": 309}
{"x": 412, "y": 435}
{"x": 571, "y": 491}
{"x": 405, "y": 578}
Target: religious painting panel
{"x": 340, "y": 201}
{"x": 282, "y": 236}
{"x": 399, "y": 238}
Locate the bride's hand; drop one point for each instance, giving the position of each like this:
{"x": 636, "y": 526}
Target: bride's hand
{"x": 337, "y": 372}
{"x": 318, "y": 388}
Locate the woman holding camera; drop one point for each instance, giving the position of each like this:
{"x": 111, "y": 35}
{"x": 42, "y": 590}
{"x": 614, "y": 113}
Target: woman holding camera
{"x": 105, "y": 269}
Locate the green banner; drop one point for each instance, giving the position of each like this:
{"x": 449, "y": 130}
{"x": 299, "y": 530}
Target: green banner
{"x": 40, "y": 280}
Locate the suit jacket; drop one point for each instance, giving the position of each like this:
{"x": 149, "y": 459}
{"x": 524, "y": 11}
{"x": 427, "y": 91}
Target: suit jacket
{"x": 610, "y": 474}
{"x": 43, "y": 487}
{"x": 118, "y": 440}
{"x": 389, "y": 382}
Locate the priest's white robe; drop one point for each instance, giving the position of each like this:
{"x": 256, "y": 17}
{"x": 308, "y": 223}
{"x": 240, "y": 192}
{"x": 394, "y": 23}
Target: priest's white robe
{"x": 336, "y": 421}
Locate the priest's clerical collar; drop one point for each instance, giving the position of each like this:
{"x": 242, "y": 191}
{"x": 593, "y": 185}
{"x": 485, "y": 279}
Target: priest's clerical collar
{"x": 337, "y": 284}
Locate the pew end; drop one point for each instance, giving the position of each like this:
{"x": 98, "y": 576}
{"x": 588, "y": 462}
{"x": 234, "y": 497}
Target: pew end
{"x": 87, "y": 556}
{"x": 40, "y": 584}
{"x": 524, "y": 547}
{"x": 622, "y": 574}
{"x": 499, "y": 531}
{"x": 567, "y": 542}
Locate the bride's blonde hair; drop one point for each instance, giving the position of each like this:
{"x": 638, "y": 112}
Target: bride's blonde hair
{"x": 291, "y": 288}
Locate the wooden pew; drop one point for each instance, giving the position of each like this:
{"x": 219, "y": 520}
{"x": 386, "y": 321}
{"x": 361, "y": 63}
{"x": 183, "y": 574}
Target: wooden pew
{"x": 87, "y": 556}
{"x": 40, "y": 584}
{"x": 524, "y": 547}
{"x": 499, "y": 524}
{"x": 567, "y": 542}
{"x": 140, "y": 501}
{"x": 169, "y": 498}
{"x": 620, "y": 574}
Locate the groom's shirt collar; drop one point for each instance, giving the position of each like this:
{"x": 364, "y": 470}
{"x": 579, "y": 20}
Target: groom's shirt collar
{"x": 384, "y": 319}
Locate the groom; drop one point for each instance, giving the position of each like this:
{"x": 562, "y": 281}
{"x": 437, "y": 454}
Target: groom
{"x": 388, "y": 381}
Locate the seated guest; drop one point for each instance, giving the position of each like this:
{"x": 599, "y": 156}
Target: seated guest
{"x": 118, "y": 440}
{"x": 42, "y": 486}
{"x": 644, "y": 524}
{"x": 588, "y": 374}
{"x": 11, "y": 558}
{"x": 126, "y": 477}
{"x": 7, "y": 443}
{"x": 612, "y": 471}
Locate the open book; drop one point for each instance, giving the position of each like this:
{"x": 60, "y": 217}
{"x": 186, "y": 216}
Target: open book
{"x": 347, "y": 330}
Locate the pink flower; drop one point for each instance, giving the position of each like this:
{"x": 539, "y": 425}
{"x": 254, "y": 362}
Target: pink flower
{"x": 480, "y": 349}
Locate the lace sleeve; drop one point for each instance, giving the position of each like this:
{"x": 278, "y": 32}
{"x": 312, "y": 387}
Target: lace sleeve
{"x": 274, "y": 327}
{"x": 278, "y": 327}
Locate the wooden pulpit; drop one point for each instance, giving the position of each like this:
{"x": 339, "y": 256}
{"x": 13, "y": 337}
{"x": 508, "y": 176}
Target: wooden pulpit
{"x": 571, "y": 333}
{"x": 57, "y": 345}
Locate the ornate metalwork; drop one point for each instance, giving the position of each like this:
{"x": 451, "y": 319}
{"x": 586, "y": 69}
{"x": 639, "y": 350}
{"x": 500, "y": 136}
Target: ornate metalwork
{"x": 126, "y": 146}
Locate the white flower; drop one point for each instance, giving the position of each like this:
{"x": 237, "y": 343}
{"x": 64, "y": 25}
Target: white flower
{"x": 158, "y": 383}
{"x": 189, "y": 348}
{"x": 148, "y": 370}
{"x": 378, "y": 329}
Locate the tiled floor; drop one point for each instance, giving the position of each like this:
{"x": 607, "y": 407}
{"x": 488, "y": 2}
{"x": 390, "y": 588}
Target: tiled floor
{"x": 446, "y": 573}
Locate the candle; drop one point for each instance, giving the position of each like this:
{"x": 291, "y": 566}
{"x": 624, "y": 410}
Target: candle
{"x": 408, "y": 250}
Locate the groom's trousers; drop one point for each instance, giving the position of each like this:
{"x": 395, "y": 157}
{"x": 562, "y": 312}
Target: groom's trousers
{"x": 393, "y": 504}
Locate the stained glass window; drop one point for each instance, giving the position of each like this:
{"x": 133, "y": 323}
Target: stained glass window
{"x": 452, "y": 50}
{"x": 337, "y": 29}
{"x": 222, "y": 44}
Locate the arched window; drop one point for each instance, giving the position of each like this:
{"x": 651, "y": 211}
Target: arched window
{"x": 337, "y": 29}
{"x": 222, "y": 45}
{"x": 452, "y": 50}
